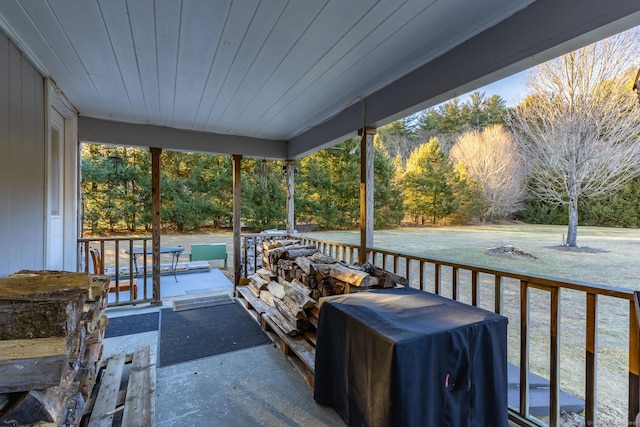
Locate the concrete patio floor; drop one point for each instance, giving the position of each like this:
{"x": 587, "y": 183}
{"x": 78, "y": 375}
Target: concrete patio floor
{"x": 251, "y": 387}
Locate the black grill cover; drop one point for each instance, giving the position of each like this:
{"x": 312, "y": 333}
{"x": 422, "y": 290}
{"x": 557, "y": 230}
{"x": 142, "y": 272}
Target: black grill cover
{"x": 404, "y": 357}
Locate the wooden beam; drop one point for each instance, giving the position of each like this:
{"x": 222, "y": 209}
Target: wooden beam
{"x": 290, "y": 170}
{"x": 144, "y": 135}
{"x": 237, "y": 217}
{"x": 366, "y": 192}
{"x": 155, "y": 224}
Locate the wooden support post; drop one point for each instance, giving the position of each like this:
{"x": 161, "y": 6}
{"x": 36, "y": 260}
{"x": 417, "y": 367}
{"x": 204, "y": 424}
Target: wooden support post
{"x": 237, "y": 220}
{"x": 155, "y": 224}
{"x": 290, "y": 170}
{"x": 366, "y": 192}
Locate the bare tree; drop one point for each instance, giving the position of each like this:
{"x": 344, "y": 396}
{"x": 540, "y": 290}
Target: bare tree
{"x": 492, "y": 159}
{"x": 578, "y": 130}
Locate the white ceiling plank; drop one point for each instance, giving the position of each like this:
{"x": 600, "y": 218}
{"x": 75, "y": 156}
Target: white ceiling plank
{"x": 336, "y": 62}
{"x": 200, "y": 31}
{"x": 168, "y": 17}
{"x": 142, "y": 14}
{"x": 257, "y": 35}
{"x": 118, "y": 27}
{"x": 242, "y": 14}
{"x": 85, "y": 29}
{"x": 38, "y": 31}
{"x": 292, "y": 23}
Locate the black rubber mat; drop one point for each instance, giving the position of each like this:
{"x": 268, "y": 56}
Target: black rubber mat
{"x": 127, "y": 325}
{"x": 202, "y": 332}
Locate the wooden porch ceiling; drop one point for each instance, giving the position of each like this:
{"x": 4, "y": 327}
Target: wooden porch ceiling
{"x": 279, "y": 79}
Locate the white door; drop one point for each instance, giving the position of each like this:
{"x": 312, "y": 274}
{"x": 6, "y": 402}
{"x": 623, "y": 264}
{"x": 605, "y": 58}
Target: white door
{"x": 55, "y": 192}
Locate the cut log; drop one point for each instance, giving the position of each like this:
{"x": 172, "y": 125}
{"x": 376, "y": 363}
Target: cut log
{"x": 389, "y": 279}
{"x": 287, "y": 326}
{"x": 266, "y": 274}
{"x": 292, "y": 254}
{"x": 301, "y": 288}
{"x": 297, "y": 311}
{"x": 268, "y": 298}
{"x": 300, "y": 324}
{"x": 350, "y": 276}
{"x": 305, "y": 264}
{"x": 276, "y": 289}
{"x": 299, "y": 296}
{"x": 258, "y": 281}
{"x": 322, "y": 271}
{"x": 323, "y": 259}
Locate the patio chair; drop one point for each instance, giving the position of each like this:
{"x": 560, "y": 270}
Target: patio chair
{"x": 125, "y": 285}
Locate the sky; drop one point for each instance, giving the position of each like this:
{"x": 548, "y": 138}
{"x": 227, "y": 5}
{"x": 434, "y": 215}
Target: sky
{"x": 512, "y": 89}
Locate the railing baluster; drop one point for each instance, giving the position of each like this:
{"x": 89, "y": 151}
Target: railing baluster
{"x": 634, "y": 361}
{"x": 421, "y": 275}
{"x": 524, "y": 348}
{"x": 554, "y": 350}
{"x": 498, "y": 300}
{"x": 436, "y": 278}
{"x": 395, "y": 264}
{"x": 407, "y": 266}
{"x": 454, "y": 283}
{"x": 475, "y": 291}
{"x": 117, "y": 254}
{"x": 131, "y": 275}
{"x": 591, "y": 359}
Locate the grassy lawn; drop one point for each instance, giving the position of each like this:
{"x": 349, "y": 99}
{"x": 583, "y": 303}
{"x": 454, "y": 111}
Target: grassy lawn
{"x": 608, "y": 256}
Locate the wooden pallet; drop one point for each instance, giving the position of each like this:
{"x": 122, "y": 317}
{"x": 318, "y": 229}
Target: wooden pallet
{"x": 124, "y": 394}
{"x": 299, "y": 350}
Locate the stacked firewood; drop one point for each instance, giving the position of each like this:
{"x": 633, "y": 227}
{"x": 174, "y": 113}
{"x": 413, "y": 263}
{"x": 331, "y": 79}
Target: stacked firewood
{"x": 51, "y": 331}
{"x": 294, "y": 277}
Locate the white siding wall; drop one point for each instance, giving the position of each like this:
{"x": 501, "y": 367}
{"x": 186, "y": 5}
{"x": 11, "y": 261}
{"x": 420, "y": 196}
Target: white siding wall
{"x": 22, "y": 162}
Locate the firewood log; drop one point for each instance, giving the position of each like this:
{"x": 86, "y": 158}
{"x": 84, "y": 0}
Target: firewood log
{"x": 350, "y": 276}
{"x": 323, "y": 259}
{"x": 266, "y": 274}
{"x": 276, "y": 289}
{"x": 305, "y": 264}
{"x": 292, "y": 254}
{"x": 297, "y": 311}
{"x": 388, "y": 279}
{"x": 267, "y": 297}
{"x": 287, "y": 326}
{"x": 258, "y": 281}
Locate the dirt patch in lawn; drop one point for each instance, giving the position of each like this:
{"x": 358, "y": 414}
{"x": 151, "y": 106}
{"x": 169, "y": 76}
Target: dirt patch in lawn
{"x": 578, "y": 249}
{"x": 510, "y": 251}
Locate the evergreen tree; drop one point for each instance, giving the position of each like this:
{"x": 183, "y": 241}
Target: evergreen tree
{"x": 427, "y": 183}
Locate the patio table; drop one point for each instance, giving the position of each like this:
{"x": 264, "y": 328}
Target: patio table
{"x": 175, "y": 252}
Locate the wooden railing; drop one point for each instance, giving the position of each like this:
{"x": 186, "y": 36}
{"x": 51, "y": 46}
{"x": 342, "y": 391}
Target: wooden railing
{"x": 117, "y": 263}
{"x": 521, "y": 298}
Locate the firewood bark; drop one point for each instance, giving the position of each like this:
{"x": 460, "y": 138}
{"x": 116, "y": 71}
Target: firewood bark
{"x": 292, "y": 254}
{"x": 299, "y": 296}
{"x": 300, "y": 324}
{"x": 268, "y": 298}
{"x": 258, "y": 282}
{"x": 389, "y": 279}
{"x": 323, "y": 259}
{"x": 297, "y": 311}
{"x": 287, "y": 326}
{"x": 266, "y": 274}
{"x": 276, "y": 289}
{"x": 305, "y": 264}
{"x": 349, "y": 275}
